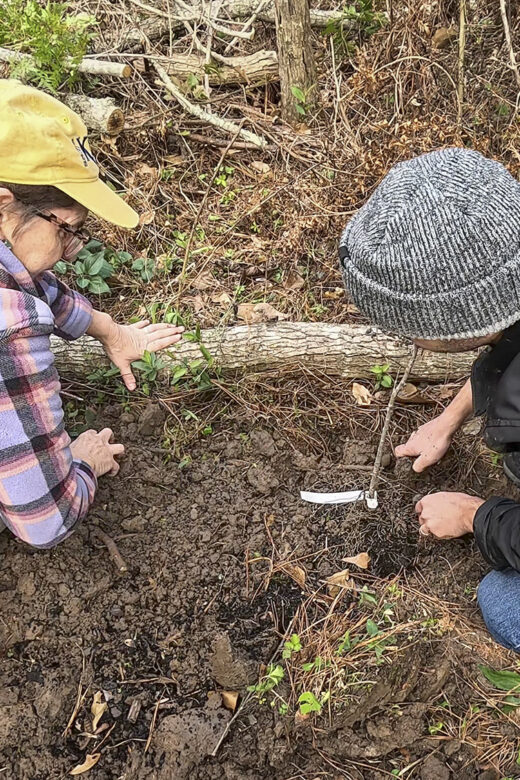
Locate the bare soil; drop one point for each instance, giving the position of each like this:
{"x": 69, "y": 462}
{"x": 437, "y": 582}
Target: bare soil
{"x": 204, "y": 606}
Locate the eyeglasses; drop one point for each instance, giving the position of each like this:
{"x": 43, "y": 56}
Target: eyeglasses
{"x": 77, "y": 233}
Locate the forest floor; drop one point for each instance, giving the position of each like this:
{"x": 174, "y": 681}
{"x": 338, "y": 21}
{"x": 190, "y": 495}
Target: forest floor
{"x": 237, "y": 599}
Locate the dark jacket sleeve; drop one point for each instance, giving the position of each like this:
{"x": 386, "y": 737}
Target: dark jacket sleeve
{"x": 497, "y": 532}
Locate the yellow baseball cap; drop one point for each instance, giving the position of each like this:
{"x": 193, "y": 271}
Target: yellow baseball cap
{"x": 44, "y": 142}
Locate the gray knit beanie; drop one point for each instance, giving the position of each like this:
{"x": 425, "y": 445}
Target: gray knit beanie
{"x": 435, "y": 252}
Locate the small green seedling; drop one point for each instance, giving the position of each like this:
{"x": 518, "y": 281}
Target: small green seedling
{"x": 301, "y": 100}
{"x": 145, "y": 268}
{"x": 91, "y": 267}
{"x": 309, "y": 703}
{"x": 273, "y": 677}
{"x": 293, "y": 645}
{"x": 383, "y": 378}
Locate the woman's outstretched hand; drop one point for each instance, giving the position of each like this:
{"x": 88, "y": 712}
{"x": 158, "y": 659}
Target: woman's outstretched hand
{"x": 427, "y": 445}
{"x": 126, "y": 343}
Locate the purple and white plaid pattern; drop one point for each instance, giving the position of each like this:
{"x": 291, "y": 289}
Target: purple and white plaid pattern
{"x": 43, "y": 491}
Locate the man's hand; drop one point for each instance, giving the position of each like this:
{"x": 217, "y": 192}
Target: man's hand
{"x": 96, "y": 450}
{"x": 126, "y": 343}
{"x": 430, "y": 443}
{"x": 447, "y": 515}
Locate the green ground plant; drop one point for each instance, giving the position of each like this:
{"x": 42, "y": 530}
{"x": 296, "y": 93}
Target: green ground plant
{"x": 56, "y": 40}
{"x": 383, "y": 378}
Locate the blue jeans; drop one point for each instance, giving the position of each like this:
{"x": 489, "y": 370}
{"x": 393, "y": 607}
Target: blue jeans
{"x": 498, "y": 597}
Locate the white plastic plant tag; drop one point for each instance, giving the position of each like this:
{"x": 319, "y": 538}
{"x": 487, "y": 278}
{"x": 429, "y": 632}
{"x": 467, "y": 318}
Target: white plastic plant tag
{"x": 340, "y": 498}
{"x": 333, "y": 498}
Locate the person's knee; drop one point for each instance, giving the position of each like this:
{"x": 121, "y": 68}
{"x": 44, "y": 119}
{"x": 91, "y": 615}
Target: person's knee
{"x": 498, "y": 597}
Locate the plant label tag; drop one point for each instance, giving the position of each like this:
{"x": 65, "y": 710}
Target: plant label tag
{"x": 340, "y": 498}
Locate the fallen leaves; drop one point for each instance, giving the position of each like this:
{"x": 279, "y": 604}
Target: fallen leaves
{"x": 341, "y": 579}
{"x": 293, "y": 281}
{"x": 147, "y": 217}
{"x": 91, "y": 760}
{"x": 296, "y": 573}
{"x": 97, "y": 709}
{"x": 362, "y": 560}
{"x": 229, "y": 699}
{"x": 362, "y": 394}
{"x": 260, "y": 167}
{"x": 204, "y": 281}
{"x": 253, "y": 313}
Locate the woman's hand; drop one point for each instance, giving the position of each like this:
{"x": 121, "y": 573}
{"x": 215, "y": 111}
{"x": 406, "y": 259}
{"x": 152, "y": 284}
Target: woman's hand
{"x": 447, "y": 515}
{"x": 428, "y": 444}
{"x": 97, "y": 451}
{"x": 126, "y": 343}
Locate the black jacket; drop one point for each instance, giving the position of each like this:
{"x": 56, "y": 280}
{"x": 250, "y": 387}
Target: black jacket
{"x": 495, "y": 381}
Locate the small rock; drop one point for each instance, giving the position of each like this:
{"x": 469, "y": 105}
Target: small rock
{"x": 386, "y": 460}
{"x": 262, "y": 479}
{"x": 151, "y": 420}
{"x": 263, "y": 443}
{"x": 63, "y": 590}
{"x": 133, "y": 525}
{"x": 115, "y": 712}
{"x": 434, "y": 769}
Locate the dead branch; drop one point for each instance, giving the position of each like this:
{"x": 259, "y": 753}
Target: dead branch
{"x": 94, "y": 67}
{"x": 99, "y": 114}
{"x": 260, "y": 67}
{"x": 509, "y": 43}
{"x": 348, "y": 351}
{"x": 461, "y": 56}
{"x": 374, "y": 481}
{"x": 212, "y": 119}
{"x": 113, "y": 550}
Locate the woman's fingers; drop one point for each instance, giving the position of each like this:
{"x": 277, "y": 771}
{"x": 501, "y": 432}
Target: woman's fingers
{"x": 142, "y": 324}
{"x": 117, "y": 449}
{"x": 408, "y": 449}
{"x": 164, "y": 326}
{"x": 106, "y": 434}
{"x": 161, "y": 342}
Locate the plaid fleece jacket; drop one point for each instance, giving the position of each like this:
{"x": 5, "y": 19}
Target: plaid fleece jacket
{"x": 43, "y": 491}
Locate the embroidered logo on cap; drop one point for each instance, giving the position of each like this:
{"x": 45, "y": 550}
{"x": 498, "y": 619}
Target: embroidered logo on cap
{"x": 82, "y": 147}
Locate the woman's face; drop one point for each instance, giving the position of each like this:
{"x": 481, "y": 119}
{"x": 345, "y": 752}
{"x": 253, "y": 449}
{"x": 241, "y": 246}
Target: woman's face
{"x": 37, "y": 243}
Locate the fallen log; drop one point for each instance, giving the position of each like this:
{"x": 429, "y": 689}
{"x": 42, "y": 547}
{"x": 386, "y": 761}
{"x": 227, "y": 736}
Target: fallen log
{"x": 348, "y": 351}
{"x": 99, "y": 114}
{"x": 260, "y": 67}
{"x": 162, "y": 22}
{"x": 94, "y": 67}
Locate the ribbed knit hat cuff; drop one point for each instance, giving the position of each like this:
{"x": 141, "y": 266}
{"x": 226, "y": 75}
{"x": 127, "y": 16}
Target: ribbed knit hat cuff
{"x": 467, "y": 313}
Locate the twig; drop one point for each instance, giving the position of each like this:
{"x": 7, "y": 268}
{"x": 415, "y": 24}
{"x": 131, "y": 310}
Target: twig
{"x": 80, "y": 698}
{"x": 197, "y": 216}
{"x": 250, "y": 22}
{"x": 507, "y": 33}
{"x": 462, "y": 49}
{"x": 152, "y": 724}
{"x": 204, "y": 139}
{"x": 113, "y": 551}
{"x": 212, "y": 119}
{"x": 390, "y": 408}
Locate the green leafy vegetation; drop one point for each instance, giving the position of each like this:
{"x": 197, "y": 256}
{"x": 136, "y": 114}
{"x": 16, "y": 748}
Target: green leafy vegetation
{"x": 360, "y": 14}
{"x": 56, "y": 40}
{"x": 293, "y": 645}
{"x": 309, "y": 703}
{"x": 91, "y": 268}
{"x": 383, "y": 378}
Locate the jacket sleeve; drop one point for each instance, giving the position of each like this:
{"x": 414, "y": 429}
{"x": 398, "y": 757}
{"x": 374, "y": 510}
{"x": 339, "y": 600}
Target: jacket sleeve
{"x": 72, "y": 311}
{"x": 497, "y": 532}
{"x": 44, "y": 493}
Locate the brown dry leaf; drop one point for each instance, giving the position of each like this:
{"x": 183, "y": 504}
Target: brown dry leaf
{"x": 339, "y": 580}
{"x": 91, "y": 760}
{"x": 197, "y": 302}
{"x": 362, "y": 560}
{"x": 229, "y": 699}
{"x": 204, "y": 281}
{"x": 443, "y": 37}
{"x": 98, "y": 708}
{"x": 174, "y": 159}
{"x": 147, "y": 217}
{"x": 142, "y": 169}
{"x": 296, "y": 573}
{"x": 259, "y": 312}
{"x": 361, "y": 394}
{"x": 223, "y": 298}
{"x": 260, "y": 167}
{"x": 350, "y": 308}
{"x": 294, "y": 281}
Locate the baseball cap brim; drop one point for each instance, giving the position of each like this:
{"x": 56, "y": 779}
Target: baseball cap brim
{"x": 97, "y": 197}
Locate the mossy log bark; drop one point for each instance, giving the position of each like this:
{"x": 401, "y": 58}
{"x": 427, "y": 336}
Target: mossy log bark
{"x": 348, "y": 351}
